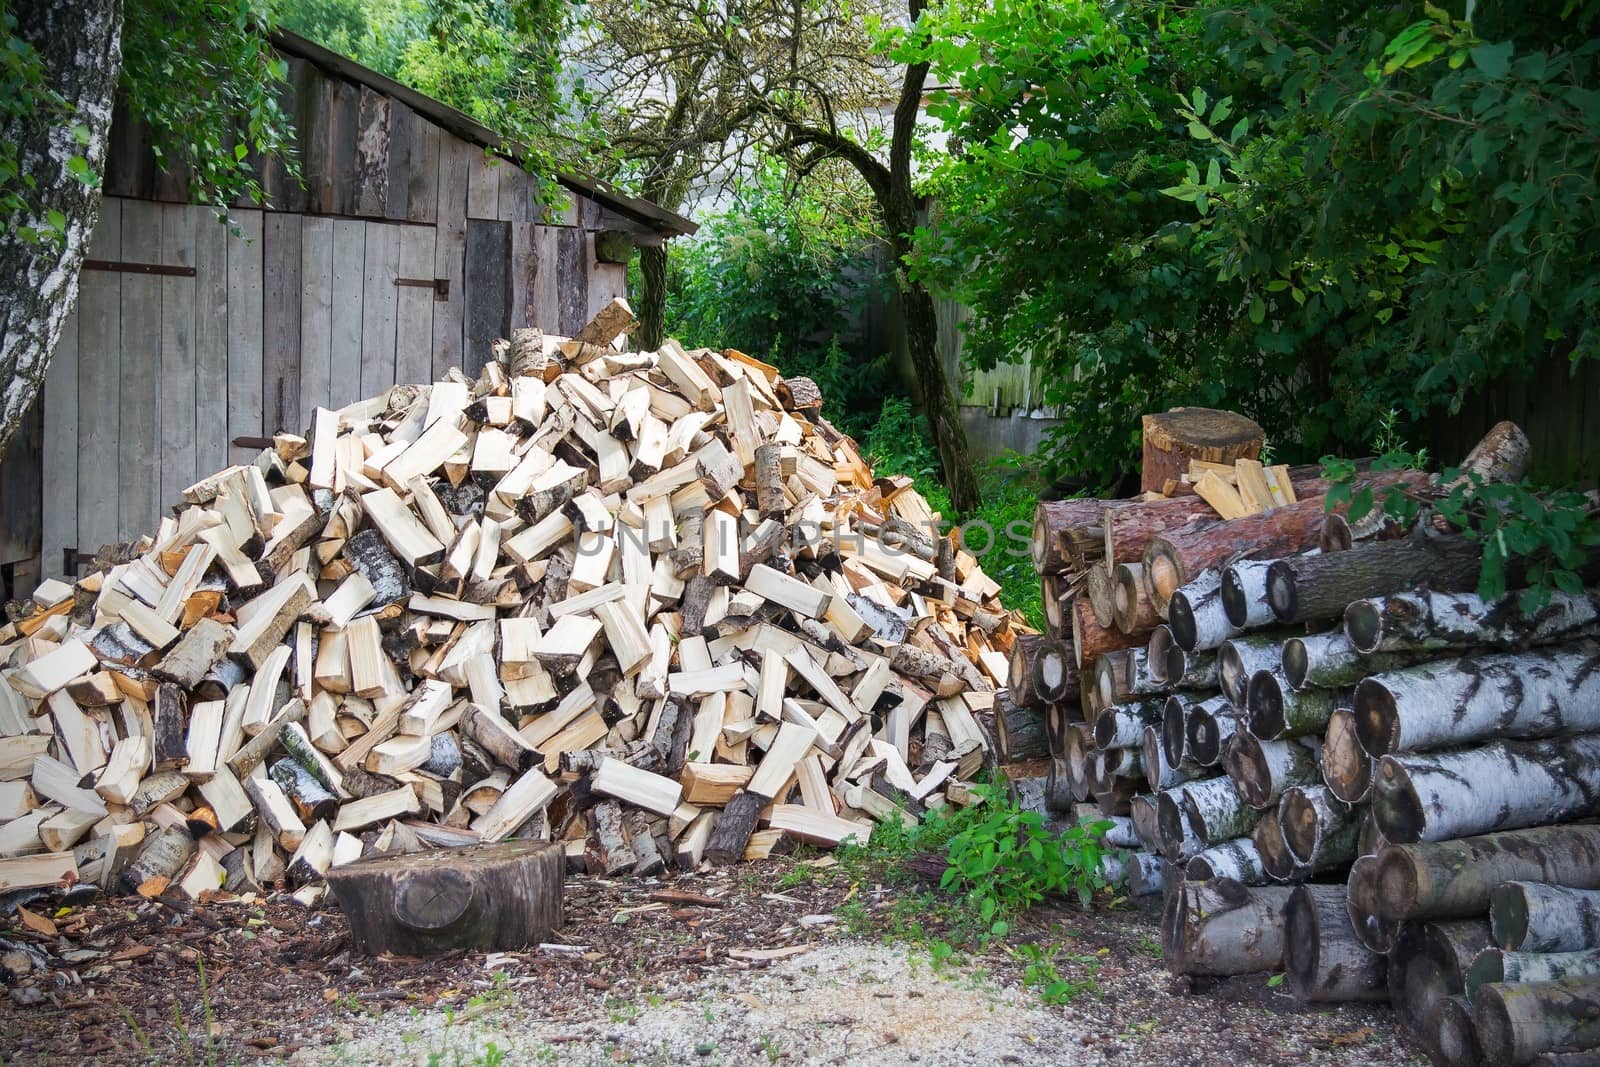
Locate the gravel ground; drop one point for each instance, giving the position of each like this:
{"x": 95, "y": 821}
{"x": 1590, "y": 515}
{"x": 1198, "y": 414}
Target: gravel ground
{"x": 734, "y": 966}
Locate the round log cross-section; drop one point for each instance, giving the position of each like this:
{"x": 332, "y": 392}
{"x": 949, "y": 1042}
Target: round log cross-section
{"x": 482, "y": 898}
{"x": 1175, "y": 437}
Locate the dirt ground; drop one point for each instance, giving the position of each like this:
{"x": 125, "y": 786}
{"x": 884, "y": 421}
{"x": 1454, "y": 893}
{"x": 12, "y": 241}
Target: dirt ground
{"x": 735, "y": 966}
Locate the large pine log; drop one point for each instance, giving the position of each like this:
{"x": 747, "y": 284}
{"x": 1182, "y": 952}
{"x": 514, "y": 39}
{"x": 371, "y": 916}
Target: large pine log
{"x": 1374, "y": 930}
{"x": 1430, "y": 962}
{"x": 1519, "y": 1022}
{"x": 1321, "y": 586}
{"x": 1051, "y": 520}
{"x": 1538, "y": 917}
{"x": 1131, "y": 608}
{"x": 1320, "y": 830}
{"x": 1262, "y": 770}
{"x": 1223, "y": 928}
{"x": 1100, "y": 588}
{"x": 1346, "y": 767}
{"x": 1427, "y": 621}
{"x": 1506, "y": 785}
{"x": 1176, "y": 557}
{"x": 1543, "y": 692}
{"x": 1450, "y": 879}
{"x": 483, "y": 898}
{"x": 1174, "y": 438}
{"x": 1090, "y": 640}
{"x": 1321, "y": 954}
{"x": 1195, "y": 613}
{"x": 1498, "y": 965}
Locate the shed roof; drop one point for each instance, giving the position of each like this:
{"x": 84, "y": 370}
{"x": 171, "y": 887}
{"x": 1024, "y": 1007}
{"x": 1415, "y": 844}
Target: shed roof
{"x": 655, "y": 217}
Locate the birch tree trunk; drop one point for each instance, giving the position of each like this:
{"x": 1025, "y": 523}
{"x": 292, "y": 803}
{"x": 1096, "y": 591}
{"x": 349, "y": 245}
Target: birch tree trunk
{"x": 1196, "y": 615}
{"x": 1503, "y": 786}
{"x": 1321, "y": 954}
{"x": 1236, "y": 859}
{"x": 1498, "y": 965}
{"x": 1374, "y": 930}
{"x": 1429, "y": 622}
{"x": 80, "y": 46}
{"x": 1429, "y": 963}
{"x": 1320, "y": 830}
{"x": 1539, "y": 693}
{"x": 1208, "y": 728}
{"x": 1244, "y": 594}
{"x": 1346, "y": 767}
{"x": 1262, "y": 770}
{"x": 1537, "y": 917}
{"x": 1223, "y": 928}
{"x": 1277, "y": 711}
{"x": 1518, "y": 1022}
{"x": 1450, "y": 879}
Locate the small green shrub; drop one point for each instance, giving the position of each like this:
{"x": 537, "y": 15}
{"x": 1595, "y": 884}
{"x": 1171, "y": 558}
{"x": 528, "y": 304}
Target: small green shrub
{"x": 1005, "y": 859}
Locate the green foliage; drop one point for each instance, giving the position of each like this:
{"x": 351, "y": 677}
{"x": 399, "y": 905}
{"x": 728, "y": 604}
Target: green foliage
{"x": 1005, "y": 859}
{"x": 1313, "y": 213}
{"x": 26, "y": 96}
{"x": 1040, "y": 972}
{"x": 1532, "y": 539}
{"x": 779, "y": 275}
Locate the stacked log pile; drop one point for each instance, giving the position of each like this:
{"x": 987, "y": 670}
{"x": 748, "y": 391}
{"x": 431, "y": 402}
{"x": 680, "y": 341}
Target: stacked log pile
{"x": 647, "y": 604}
{"x": 1344, "y": 764}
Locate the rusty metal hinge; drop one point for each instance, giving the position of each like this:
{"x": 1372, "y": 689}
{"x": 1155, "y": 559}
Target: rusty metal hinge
{"x": 440, "y": 286}
{"x": 138, "y": 268}
{"x": 252, "y": 442}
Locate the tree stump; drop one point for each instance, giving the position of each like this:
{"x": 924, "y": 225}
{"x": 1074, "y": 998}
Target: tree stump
{"x": 483, "y": 898}
{"x": 1172, "y": 439}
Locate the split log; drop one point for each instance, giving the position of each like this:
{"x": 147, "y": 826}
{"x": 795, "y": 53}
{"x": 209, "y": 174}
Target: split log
{"x": 1506, "y": 785}
{"x": 1449, "y": 879}
{"x": 1320, "y": 830}
{"x": 160, "y": 858}
{"x": 1244, "y": 594}
{"x": 1362, "y": 900}
{"x": 643, "y": 842}
{"x": 1208, "y": 728}
{"x": 1322, "y": 957}
{"x": 1430, "y": 962}
{"x": 1223, "y": 928}
{"x": 1538, "y": 693}
{"x": 1517, "y": 1023}
{"x": 1321, "y": 586}
{"x": 1176, "y": 437}
{"x": 1450, "y": 1035}
{"x": 734, "y": 826}
{"x": 1537, "y": 917}
{"x": 1277, "y": 711}
{"x": 1195, "y": 613}
{"x": 606, "y": 850}
{"x": 1346, "y": 767}
{"x": 1238, "y": 860}
{"x": 498, "y": 897}
{"x": 1051, "y": 520}
{"x": 1427, "y": 621}
{"x": 1498, "y": 965}
{"x": 1262, "y": 770}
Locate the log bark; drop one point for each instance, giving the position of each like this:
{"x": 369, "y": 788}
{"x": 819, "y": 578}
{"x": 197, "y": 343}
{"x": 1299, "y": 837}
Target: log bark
{"x": 1195, "y": 613}
{"x": 1519, "y": 1022}
{"x": 1324, "y": 960}
{"x": 1330, "y": 661}
{"x": 1319, "y": 829}
{"x": 482, "y": 898}
{"x": 1502, "y": 455}
{"x": 1538, "y": 917}
{"x": 1430, "y": 962}
{"x": 1449, "y": 1034}
{"x": 1374, "y": 930}
{"x": 1055, "y": 674}
{"x": 1244, "y": 594}
{"x": 1131, "y": 610}
{"x": 1090, "y": 640}
{"x": 1208, "y": 728}
{"x": 1223, "y": 928}
{"x": 1238, "y": 860}
{"x": 1277, "y": 711}
{"x": 1346, "y": 767}
{"x": 1019, "y": 732}
{"x": 1019, "y": 672}
{"x": 1309, "y": 587}
{"x": 1262, "y": 770}
{"x": 1051, "y": 521}
{"x": 1122, "y": 725}
{"x": 1498, "y": 965}
{"x": 1451, "y": 879}
{"x": 1538, "y": 693}
{"x": 1178, "y": 839}
{"x": 606, "y": 850}
{"x": 1145, "y": 873}
{"x": 1506, "y": 785}
{"x": 1215, "y": 810}
{"x": 1174, "y": 438}
{"x": 1191, "y": 670}
{"x": 1426, "y": 621}
{"x": 734, "y": 826}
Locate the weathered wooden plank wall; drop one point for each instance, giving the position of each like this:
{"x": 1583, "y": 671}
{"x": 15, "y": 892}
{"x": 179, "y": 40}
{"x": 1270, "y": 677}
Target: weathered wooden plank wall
{"x": 156, "y": 374}
{"x": 1558, "y": 405}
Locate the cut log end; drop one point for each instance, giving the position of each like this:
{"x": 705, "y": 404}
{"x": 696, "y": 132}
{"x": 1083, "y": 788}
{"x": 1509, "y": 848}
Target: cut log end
{"x": 1363, "y": 624}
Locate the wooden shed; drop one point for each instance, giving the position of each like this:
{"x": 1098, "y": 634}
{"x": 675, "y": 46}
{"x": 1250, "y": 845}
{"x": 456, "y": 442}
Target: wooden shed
{"x": 408, "y": 247}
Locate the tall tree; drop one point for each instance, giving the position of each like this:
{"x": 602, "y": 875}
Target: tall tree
{"x": 805, "y": 78}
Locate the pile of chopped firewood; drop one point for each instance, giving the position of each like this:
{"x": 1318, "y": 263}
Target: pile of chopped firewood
{"x": 1334, "y": 757}
{"x": 648, "y": 604}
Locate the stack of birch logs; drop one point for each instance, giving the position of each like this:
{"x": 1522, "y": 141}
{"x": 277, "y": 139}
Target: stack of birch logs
{"x": 648, "y": 604}
{"x": 1338, "y": 761}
